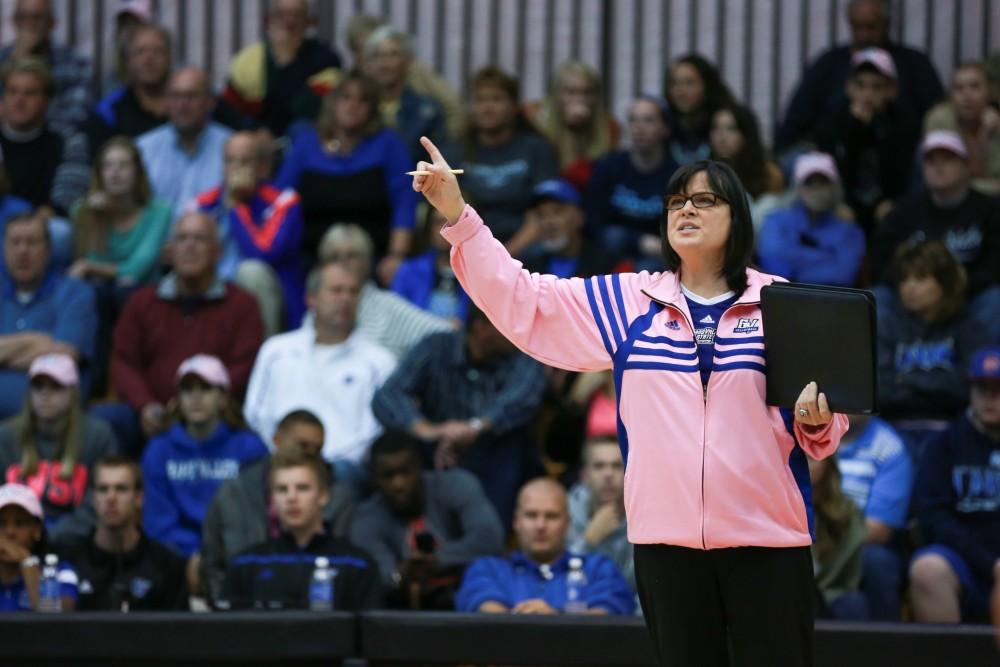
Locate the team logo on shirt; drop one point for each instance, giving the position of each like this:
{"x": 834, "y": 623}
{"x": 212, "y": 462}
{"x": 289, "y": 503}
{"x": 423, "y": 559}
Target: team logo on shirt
{"x": 747, "y": 325}
{"x": 139, "y": 587}
{"x": 674, "y": 325}
{"x": 705, "y": 336}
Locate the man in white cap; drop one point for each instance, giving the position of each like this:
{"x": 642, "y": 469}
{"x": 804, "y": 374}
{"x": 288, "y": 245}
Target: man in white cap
{"x": 21, "y": 537}
{"x": 871, "y": 135}
{"x": 951, "y": 211}
{"x": 808, "y": 241}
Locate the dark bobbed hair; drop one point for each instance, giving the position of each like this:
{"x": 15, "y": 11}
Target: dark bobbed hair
{"x": 299, "y": 416}
{"x": 739, "y": 247}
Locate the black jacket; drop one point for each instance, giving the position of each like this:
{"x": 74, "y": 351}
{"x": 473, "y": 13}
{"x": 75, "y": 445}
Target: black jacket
{"x": 276, "y": 575}
{"x": 148, "y": 578}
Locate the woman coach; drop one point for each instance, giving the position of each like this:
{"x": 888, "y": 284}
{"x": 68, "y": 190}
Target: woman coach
{"x": 716, "y": 483}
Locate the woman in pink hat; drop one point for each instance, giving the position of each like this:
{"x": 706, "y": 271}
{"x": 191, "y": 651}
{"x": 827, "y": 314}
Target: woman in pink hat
{"x": 51, "y": 445}
{"x": 23, "y": 545}
{"x": 184, "y": 466}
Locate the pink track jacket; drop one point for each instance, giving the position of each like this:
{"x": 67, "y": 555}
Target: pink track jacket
{"x": 704, "y": 471}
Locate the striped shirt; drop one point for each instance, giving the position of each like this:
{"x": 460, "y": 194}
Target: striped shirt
{"x": 393, "y": 322}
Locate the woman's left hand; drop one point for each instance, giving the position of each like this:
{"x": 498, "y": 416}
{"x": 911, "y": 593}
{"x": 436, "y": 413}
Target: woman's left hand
{"x": 811, "y": 408}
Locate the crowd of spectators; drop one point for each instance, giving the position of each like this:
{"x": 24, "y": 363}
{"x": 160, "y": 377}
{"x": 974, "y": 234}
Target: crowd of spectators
{"x": 235, "y": 360}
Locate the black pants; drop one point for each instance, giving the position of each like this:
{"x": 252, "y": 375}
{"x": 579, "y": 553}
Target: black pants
{"x": 756, "y": 602}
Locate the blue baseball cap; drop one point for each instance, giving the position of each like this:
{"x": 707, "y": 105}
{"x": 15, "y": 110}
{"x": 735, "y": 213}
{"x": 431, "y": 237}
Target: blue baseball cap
{"x": 556, "y": 189}
{"x": 985, "y": 365}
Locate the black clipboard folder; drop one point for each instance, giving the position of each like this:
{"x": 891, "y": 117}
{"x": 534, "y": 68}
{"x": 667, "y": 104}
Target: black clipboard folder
{"x": 821, "y": 333}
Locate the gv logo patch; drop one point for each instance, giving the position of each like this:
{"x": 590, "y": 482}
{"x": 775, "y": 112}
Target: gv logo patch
{"x": 747, "y": 325}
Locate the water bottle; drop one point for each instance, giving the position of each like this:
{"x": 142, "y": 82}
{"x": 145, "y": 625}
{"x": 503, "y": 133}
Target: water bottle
{"x": 49, "y": 598}
{"x": 576, "y": 581}
{"x": 321, "y": 586}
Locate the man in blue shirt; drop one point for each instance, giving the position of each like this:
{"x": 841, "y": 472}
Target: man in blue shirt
{"x": 184, "y": 156}
{"x": 41, "y": 311}
{"x": 533, "y": 580}
{"x": 876, "y": 473}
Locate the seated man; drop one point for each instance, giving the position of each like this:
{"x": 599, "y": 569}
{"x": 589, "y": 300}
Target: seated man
{"x": 327, "y": 367}
{"x": 34, "y": 23}
{"x": 877, "y": 474}
{"x": 471, "y": 397}
{"x": 597, "y": 506}
{"x": 43, "y": 167}
{"x": 278, "y": 573}
{"x": 139, "y": 105}
{"x": 533, "y": 579}
{"x": 184, "y": 155}
{"x": 261, "y": 230}
{"x": 242, "y": 512}
{"x": 557, "y": 244}
{"x": 383, "y": 317}
{"x": 948, "y": 210}
{"x": 422, "y": 527}
{"x": 41, "y": 311}
{"x": 957, "y": 500}
{"x": 190, "y": 312}
{"x": 119, "y": 567}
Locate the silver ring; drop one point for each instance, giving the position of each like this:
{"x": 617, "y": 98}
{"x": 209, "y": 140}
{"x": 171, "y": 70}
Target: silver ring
{"x": 803, "y": 412}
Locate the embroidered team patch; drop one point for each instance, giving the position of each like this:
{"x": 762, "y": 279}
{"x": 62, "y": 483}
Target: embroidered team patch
{"x": 705, "y": 336}
{"x": 747, "y": 325}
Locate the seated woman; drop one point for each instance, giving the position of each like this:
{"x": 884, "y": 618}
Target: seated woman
{"x": 624, "y": 202}
{"x": 23, "y": 546}
{"x": 969, "y": 112}
{"x": 348, "y": 168}
{"x": 840, "y": 536}
{"x": 427, "y": 280}
{"x": 925, "y": 343}
{"x": 734, "y": 138}
{"x": 184, "y": 466}
{"x": 52, "y": 444}
{"x": 809, "y": 241}
{"x": 121, "y": 230}
{"x": 574, "y": 119}
{"x": 504, "y": 157}
{"x": 695, "y": 91}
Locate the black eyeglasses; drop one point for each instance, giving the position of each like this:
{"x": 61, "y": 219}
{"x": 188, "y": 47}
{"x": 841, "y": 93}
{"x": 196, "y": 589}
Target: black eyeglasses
{"x": 698, "y": 200}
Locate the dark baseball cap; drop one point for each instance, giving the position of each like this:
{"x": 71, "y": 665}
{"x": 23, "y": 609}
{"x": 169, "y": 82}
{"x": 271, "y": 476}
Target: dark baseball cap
{"x": 556, "y": 189}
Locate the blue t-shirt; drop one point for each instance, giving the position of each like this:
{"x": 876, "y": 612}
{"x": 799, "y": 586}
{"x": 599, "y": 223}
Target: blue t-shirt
{"x": 876, "y": 473}
{"x": 14, "y": 597}
{"x": 705, "y": 316}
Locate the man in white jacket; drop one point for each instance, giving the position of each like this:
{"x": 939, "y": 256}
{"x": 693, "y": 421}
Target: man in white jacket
{"x": 326, "y": 367}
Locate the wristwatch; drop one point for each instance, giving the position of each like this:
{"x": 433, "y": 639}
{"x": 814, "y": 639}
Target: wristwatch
{"x": 30, "y": 561}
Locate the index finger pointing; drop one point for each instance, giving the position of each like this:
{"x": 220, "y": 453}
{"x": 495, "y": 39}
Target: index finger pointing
{"x": 433, "y": 151}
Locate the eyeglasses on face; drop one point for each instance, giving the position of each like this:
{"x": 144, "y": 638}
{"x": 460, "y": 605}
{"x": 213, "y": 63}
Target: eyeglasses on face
{"x": 698, "y": 200}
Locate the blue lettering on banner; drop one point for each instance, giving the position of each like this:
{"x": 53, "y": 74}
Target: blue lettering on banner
{"x": 747, "y": 325}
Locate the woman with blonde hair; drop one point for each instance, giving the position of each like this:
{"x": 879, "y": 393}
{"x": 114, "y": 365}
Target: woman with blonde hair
{"x": 574, "y": 118}
{"x": 51, "y": 446}
{"x": 349, "y": 168}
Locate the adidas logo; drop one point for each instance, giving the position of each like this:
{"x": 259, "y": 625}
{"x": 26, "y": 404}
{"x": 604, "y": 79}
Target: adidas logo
{"x": 707, "y": 320}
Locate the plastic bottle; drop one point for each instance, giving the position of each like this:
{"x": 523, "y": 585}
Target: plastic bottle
{"x": 576, "y": 581}
{"x": 49, "y": 598}
{"x": 321, "y": 586}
